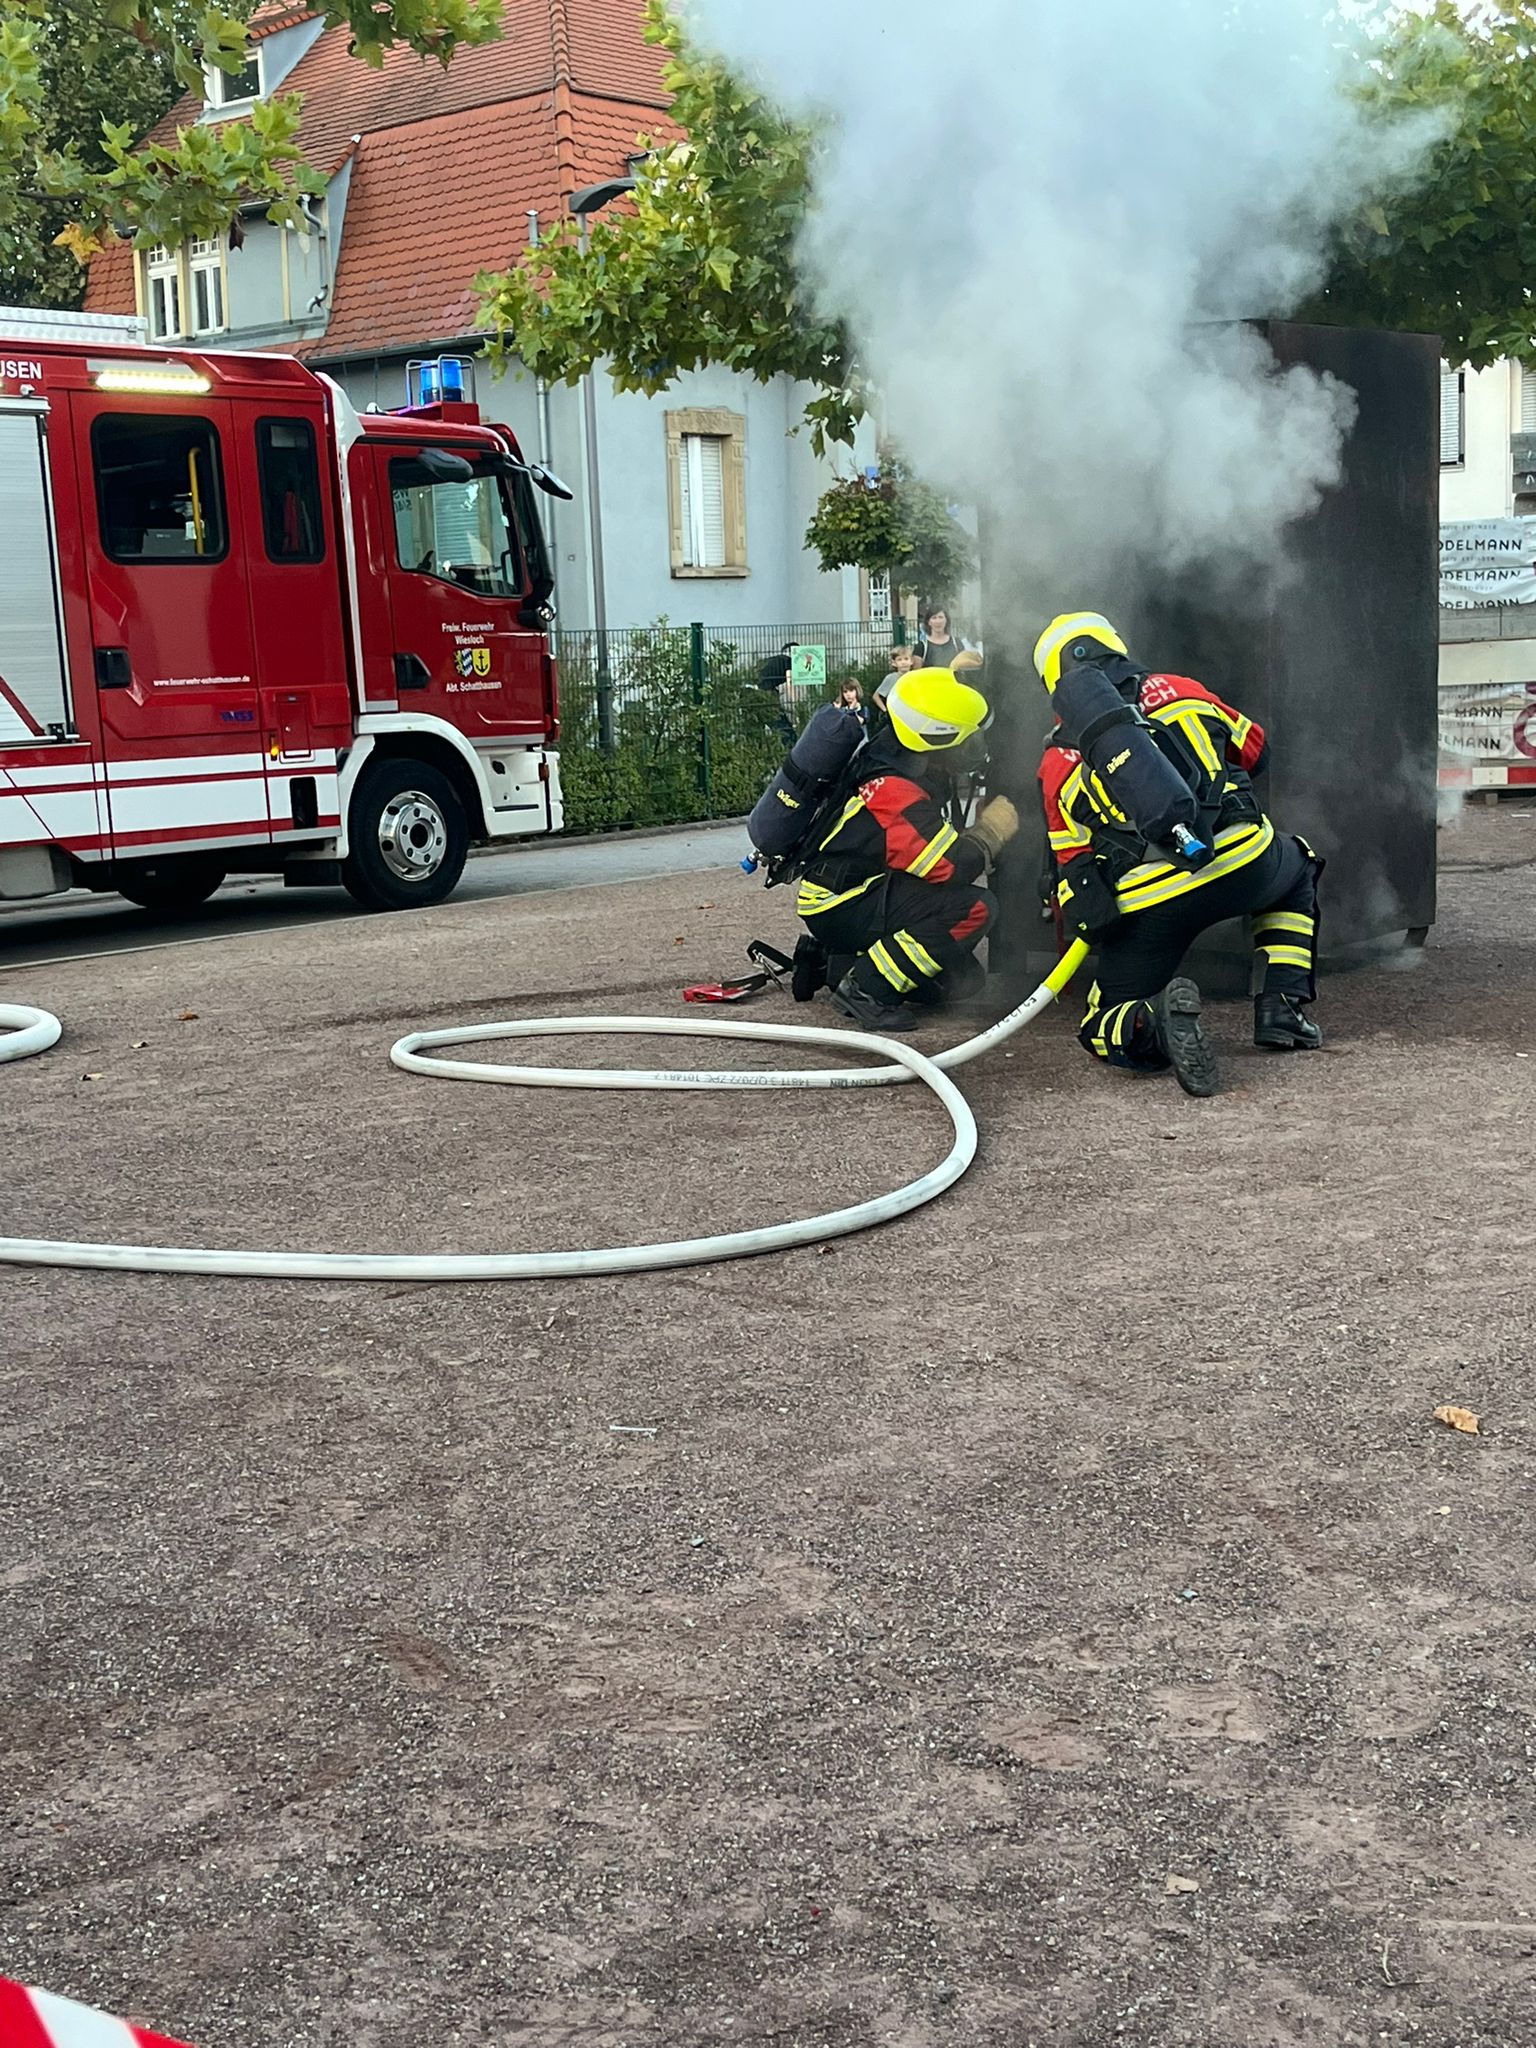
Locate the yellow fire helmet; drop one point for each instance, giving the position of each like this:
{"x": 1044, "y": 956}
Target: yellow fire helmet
{"x": 1079, "y": 635}
{"x": 930, "y": 709}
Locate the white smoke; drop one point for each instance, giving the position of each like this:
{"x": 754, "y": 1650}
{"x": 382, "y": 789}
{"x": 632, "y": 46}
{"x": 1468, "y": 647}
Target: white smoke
{"x": 1041, "y": 219}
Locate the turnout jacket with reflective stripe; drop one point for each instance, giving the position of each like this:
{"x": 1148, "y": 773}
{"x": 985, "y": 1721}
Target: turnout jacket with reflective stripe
{"x": 1215, "y": 747}
{"x": 893, "y": 822}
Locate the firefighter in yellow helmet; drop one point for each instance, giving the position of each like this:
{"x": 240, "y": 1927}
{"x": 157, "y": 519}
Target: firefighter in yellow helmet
{"x": 893, "y": 890}
{"x": 1147, "y": 859}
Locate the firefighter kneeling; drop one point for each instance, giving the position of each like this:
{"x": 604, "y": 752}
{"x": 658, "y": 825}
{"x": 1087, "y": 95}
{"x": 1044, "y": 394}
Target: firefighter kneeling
{"x": 1158, "y": 836}
{"x": 895, "y": 882}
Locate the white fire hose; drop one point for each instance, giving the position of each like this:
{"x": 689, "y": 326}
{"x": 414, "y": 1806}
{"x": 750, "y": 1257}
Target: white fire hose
{"x": 24, "y": 1031}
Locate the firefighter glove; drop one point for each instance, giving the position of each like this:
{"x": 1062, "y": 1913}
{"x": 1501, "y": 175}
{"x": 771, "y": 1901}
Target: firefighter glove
{"x": 998, "y": 823}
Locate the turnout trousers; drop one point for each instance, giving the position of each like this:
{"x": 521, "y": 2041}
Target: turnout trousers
{"x": 1140, "y": 955}
{"x": 909, "y": 936}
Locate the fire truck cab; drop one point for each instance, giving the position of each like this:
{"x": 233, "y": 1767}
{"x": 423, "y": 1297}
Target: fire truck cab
{"x": 246, "y": 629}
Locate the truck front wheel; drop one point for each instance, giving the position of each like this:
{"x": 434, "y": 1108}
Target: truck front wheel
{"x": 177, "y": 881}
{"x": 408, "y": 835}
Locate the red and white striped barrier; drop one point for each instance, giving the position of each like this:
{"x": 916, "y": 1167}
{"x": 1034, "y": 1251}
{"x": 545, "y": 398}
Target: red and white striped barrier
{"x": 36, "y": 2019}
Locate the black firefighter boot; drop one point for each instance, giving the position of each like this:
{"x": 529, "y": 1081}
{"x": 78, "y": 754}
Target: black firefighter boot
{"x": 1282, "y": 1024}
{"x": 1182, "y": 1037}
{"x": 868, "y": 1012}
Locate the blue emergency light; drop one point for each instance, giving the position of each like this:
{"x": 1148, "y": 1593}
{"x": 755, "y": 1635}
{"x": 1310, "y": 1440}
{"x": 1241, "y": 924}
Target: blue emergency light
{"x": 444, "y": 380}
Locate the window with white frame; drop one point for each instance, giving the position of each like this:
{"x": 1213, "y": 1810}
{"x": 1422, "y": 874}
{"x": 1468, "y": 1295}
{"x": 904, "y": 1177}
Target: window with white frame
{"x": 1453, "y": 417}
{"x": 184, "y": 291}
{"x": 233, "y": 88}
{"x": 205, "y": 276}
{"x": 162, "y": 293}
{"x": 706, "y": 484}
{"x": 1527, "y": 399}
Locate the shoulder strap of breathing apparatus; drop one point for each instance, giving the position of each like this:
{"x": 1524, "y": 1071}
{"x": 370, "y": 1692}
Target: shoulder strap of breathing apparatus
{"x": 829, "y": 807}
{"x": 1141, "y": 778}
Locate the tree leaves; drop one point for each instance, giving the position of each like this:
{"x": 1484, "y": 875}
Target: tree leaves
{"x": 72, "y": 177}
{"x": 1454, "y": 255}
{"x": 896, "y": 524}
{"x": 699, "y": 266}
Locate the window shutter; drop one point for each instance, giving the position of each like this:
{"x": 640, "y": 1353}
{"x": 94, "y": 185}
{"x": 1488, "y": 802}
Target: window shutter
{"x": 675, "y": 491}
{"x": 706, "y": 491}
{"x": 734, "y": 453}
{"x": 1527, "y": 400}
{"x": 1452, "y": 444}
{"x": 703, "y": 501}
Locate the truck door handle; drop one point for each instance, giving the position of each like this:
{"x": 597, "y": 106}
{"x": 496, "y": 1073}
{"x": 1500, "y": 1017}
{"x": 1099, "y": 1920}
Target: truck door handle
{"x": 411, "y": 672}
{"x": 114, "y": 671}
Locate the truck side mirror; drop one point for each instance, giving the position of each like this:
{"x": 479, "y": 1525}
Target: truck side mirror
{"x": 444, "y": 467}
{"x": 548, "y": 482}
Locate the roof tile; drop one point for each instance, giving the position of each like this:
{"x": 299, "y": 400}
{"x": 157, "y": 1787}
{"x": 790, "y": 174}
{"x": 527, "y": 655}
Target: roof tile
{"x": 451, "y": 159}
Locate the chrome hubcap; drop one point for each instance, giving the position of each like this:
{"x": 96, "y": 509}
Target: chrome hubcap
{"x": 413, "y": 836}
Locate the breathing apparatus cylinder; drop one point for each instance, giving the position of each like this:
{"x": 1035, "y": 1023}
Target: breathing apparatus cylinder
{"x": 784, "y": 811}
{"x": 1117, "y": 743}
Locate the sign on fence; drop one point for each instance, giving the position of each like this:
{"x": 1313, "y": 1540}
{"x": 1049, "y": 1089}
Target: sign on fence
{"x": 808, "y": 667}
{"x": 1487, "y": 723}
{"x": 1485, "y": 563}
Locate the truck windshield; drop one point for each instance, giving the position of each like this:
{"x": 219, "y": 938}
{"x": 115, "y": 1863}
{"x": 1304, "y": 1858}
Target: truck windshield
{"x": 460, "y": 532}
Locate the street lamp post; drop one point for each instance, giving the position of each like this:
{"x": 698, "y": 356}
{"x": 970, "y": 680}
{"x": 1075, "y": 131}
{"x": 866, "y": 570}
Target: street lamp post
{"x": 589, "y": 200}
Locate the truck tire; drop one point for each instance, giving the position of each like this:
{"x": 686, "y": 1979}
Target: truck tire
{"x": 408, "y": 835}
{"x": 176, "y": 881}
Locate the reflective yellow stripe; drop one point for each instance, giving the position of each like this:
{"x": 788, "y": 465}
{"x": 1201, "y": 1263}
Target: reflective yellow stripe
{"x": 881, "y": 957}
{"x": 1051, "y": 642}
{"x": 854, "y": 803}
{"x": 1240, "y": 732}
{"x": 1187, "y": 717}
{"x": 934, "y": 851}
{"x": 1074, "y": 835}
{"x": 1161, "y": 883}
{"x": 1284, "y": 921}
{"x": 919, "y": 955}
{"x": 811, "y": 898}
{"x": 1288, "y": 956}
{"x": 1103, "y": 802}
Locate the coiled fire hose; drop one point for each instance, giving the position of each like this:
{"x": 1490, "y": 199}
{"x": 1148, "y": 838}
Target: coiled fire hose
{"x": 25, "y": 1031}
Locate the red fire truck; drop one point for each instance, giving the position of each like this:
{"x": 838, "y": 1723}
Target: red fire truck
{"x": 246, "y": 629}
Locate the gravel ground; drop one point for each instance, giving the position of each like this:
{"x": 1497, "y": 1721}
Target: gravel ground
{"x": 1054, "y": 1619}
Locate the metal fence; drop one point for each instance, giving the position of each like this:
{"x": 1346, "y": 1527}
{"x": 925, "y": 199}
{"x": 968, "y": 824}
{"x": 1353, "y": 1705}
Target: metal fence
{"x": 672, "y": 725}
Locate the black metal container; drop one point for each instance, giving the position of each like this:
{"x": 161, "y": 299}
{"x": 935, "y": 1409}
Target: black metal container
{"x": 1338, "y": 662}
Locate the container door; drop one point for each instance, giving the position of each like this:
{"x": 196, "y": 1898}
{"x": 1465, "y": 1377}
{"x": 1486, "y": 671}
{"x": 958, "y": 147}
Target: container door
{"x": 458, "y": 584}
{"x": 174, "y": 666}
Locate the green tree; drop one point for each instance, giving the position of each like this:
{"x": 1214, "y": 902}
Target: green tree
{"x": 84, "y": 79}
{"x": 702, "y": 268}
{"x": 68, "y": 165}
{"x": 893, "y": 523}
{"x": 1456, "y": 255}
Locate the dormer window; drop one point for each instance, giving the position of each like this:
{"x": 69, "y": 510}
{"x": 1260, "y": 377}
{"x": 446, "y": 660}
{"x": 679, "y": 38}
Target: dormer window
{"x": 233, "y": 88}
{"x": 184, "y": 291}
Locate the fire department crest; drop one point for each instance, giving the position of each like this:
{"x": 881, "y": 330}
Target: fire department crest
{"x": 472, "y": 661}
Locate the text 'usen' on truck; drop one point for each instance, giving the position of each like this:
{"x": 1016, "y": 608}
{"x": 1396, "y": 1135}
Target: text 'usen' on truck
{"x": 244, "y": 628}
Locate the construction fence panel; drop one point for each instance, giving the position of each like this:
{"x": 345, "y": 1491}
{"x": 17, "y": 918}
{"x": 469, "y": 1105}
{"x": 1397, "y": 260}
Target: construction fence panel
{"x": 664, "y": 724}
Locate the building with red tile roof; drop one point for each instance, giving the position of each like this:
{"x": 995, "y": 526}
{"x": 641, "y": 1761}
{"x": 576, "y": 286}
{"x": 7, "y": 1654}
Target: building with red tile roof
{"x": 433, "y": 173}
{"x": 433, "y": 168}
